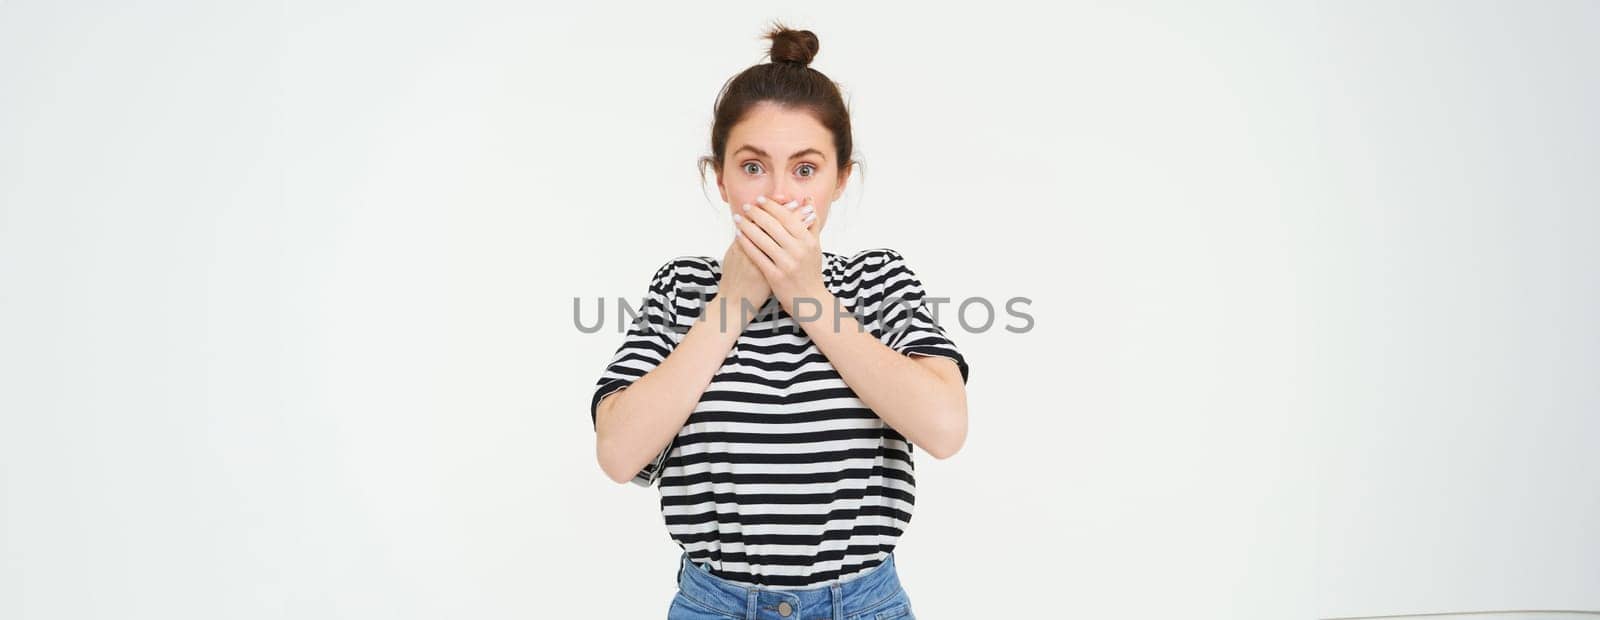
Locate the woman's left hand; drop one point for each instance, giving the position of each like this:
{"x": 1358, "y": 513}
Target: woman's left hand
{"x": 779, "y": 240}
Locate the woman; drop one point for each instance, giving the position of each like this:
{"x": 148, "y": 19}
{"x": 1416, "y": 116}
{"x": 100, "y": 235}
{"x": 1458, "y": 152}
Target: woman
{"x": 782, "y": 438}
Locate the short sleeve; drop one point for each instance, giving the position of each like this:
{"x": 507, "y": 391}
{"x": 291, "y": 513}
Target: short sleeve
{"x": 650, "y": 337}
{"x": 905, "y": 322}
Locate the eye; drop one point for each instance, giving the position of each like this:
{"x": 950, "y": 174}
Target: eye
{"x": 750, "y": 164}
{"x": 809, "y": 170}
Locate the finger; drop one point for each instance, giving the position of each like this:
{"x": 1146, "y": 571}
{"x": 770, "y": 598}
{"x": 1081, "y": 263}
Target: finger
{"x": 805, "y": 228}
{"x": 783, "y": 199}
{"x": 769, "y": 222}
{"x": 787, "y": 214}
{"x": 758, "y": 236}
{"x": 807, "y": 214}
{"x": 756, "y": 256}
{"x": 790, "y": 205}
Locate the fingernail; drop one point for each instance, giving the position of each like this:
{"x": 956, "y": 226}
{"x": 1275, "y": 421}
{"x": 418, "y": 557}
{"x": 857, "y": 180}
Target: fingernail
{"x": 760, "y": 199}
{"x": 792, "y": 204}
{"x": 808, "y": 209}
{"x": 746, "y": 208}
{"x": 738, "y": 218}
{"x": 808, "y": 218}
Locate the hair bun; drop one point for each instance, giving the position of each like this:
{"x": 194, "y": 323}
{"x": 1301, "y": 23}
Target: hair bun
{"x": 789, "y": 45}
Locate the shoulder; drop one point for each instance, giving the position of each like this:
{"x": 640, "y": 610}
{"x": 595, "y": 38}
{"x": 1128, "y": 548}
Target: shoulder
{"x": 679, "y": 267}
{"x": 876, "y": 262}
{"x": 680, "y": 271}
{"x": 876, "y": 256}
{"x": 879, "y": 274}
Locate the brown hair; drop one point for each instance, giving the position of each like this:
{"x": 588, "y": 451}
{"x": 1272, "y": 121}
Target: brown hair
{"x": 787, "y": 81}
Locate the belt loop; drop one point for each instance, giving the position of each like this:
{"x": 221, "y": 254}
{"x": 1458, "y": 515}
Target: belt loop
{"x": 752, "y": 606}
{"x": 681, "y": 560}
{"x": 838, "y": 601}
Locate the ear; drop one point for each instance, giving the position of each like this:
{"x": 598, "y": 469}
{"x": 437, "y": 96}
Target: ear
{"x": 844, "y": 179}
{"x": 722, "y": 189}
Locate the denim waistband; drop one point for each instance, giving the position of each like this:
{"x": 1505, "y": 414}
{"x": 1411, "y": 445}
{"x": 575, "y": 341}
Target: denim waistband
{"x": 858, "y": 593}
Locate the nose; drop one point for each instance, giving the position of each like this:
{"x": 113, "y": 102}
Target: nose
{"x": 776, "y": 195}
{"x": 781, "y": 191}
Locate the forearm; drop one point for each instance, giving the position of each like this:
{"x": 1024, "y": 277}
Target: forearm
{"x": 917, "y": 402}
{"x": 633, "y": 424}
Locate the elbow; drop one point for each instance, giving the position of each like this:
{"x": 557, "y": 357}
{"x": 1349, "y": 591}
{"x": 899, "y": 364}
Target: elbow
{"x": 616, "y": 475}
{"x": 605, "y": 453}
{"x": 944, "y": 451}
{"x": 951, "y": 437}
{"x": 609, "y": 465}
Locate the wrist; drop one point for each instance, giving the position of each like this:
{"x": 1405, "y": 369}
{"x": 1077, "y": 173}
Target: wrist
{"x": 720, "y": 315}
{"x": 737, "y": 308}
{"x": 812, "y": 294}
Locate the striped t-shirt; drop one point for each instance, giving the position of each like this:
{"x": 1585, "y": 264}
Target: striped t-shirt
{"x": 781, "y": 477}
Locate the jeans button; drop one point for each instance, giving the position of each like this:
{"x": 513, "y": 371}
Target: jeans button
{"x": 784, "y": 609}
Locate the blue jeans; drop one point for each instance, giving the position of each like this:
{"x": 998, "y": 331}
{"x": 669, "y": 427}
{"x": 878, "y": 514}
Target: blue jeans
{"x": 873, "y": 595}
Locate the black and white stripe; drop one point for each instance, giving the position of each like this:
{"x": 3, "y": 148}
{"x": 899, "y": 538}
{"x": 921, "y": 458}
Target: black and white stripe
{"x": 781, "y": 477}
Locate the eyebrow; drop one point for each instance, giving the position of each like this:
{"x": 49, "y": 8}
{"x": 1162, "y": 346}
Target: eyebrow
{"x": 796, "y": 155}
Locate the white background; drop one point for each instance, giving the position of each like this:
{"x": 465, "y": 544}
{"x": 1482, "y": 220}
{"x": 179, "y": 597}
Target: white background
{"x": 286, "y": 300}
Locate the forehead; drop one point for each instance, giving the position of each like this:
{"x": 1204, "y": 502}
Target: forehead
{"x": 779, "y": 131}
